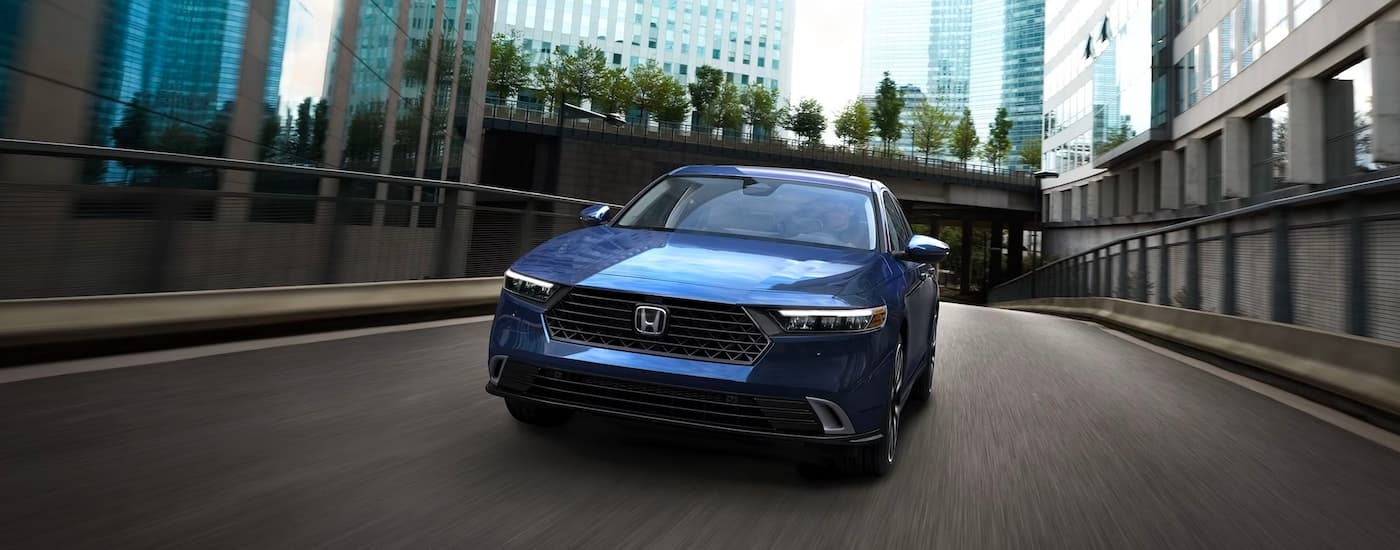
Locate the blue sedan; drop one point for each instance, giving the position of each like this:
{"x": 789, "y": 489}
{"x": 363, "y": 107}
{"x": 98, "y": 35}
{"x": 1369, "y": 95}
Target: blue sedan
{"x": 784, "y": 304}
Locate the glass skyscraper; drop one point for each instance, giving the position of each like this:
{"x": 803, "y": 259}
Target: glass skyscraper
{"x": 744, "y": 38}
{"x": 977, "y": 54}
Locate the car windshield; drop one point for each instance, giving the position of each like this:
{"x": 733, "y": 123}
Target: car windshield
{"x": 764, "y": 208}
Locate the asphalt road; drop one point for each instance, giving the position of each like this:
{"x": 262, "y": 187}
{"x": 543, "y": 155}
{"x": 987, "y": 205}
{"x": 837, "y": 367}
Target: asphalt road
{"x": 1045, "y": 433}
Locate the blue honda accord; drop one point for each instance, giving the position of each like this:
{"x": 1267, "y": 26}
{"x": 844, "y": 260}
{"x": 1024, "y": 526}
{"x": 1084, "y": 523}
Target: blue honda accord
{"x": 784, "y": 304}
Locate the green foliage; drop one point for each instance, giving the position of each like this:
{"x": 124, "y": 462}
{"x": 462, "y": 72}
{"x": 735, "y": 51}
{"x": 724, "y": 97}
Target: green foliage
{"x": 1029, "y": 151}
{"x": 932, "y": 129}
{"x": 617, "y": 93}
{"x": 965, "y": 138}
{"x": 415, "y": 67}
{"x": 728, "y": 111}
{"x": 658, "y": 94}
{"x": 760, "y": 106}
{"x": 854, "y": 126}
{"x": 572, "y": 76}
{"x": 366, "y": 129}
{"x": 998, "y": 141}
{"x": 134, "y": 131}
{"x": 302, "y": 146}
{"x": 807, "y": 121}
{"x": 510, "y": 66}
{"x": 1117, "y": 136}
{"x": 705, "y": 92}
{"x": 889, "y": 103}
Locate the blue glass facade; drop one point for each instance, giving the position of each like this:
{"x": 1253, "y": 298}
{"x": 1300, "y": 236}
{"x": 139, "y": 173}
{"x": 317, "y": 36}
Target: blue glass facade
{"x": 10, "y": 14}
{"x": 1007, "y": 68}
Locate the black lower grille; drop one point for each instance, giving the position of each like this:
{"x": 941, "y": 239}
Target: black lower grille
{"x": 720, "y": 333}
{"x": 786, "y": 416}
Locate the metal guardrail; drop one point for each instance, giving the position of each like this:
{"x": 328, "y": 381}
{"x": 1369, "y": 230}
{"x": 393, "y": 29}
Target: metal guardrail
{"x": 1328, "y": 260}
{"x": 187, "y": 222}
{"x": 771, "y": 145}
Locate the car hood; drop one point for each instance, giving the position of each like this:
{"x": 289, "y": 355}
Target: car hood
{"x": 705, "y": 266}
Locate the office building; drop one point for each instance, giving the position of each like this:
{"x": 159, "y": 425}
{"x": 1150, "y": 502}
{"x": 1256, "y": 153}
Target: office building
{"x": 750, "y": 40}
{"x": 1007, "y": 68}
{"x": 1161, "y": 111}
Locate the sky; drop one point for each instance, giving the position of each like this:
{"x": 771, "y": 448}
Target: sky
{"x": 825, "y": 64}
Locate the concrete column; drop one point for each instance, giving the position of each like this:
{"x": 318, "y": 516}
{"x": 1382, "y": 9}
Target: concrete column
{"x": 1169, "y": 188}
{"x": 1307, "y": 142}
{"x": 1108, "y": 202}
{"x": 965, "y": 270}
{"x": 1234, "y": 181}
{"x": 1197, "y": 171}
{"x": 246, "y": 120}
{"x": 995, "y": 255}
{"x": 1127, "y": 188}
{"x": 1147, "y": 187}
{"x": 1016, "y": 234}
{"x": 1384, "y": 52}
{"x": 1053, "y": 214}
{"x": 1340, "y": 127}
{"x": 1261, "y": 152}
{"x": 1091, "y": 199}
{"x": 1077, "y": 203}
{"x": 1066, "y": 205}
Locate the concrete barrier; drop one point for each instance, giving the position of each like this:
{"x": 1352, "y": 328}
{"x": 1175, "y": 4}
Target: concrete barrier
{"x": 1365, "y": 370}
{"x": 58, "y": 320}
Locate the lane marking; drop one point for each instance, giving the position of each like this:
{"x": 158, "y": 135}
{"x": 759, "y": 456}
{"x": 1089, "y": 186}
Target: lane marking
{"x": 59, "y": 368}
{"x": 1312, "y": 408}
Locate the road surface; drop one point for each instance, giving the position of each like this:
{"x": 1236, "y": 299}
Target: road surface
{"x": 1044, "y": 433}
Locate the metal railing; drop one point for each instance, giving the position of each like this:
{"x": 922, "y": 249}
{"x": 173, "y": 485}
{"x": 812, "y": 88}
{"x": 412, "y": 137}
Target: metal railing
{"x": 773, "y": 145}
{"x": 1328, "y": 260}
{"x": 188, "y": 223}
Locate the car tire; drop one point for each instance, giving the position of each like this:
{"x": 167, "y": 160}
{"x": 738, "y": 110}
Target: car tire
{"x": 877, "y": 459}
{"x": 536, "y": 414}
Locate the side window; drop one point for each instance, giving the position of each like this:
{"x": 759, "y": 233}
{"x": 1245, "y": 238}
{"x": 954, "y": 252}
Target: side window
{"x": 896, "y": 226}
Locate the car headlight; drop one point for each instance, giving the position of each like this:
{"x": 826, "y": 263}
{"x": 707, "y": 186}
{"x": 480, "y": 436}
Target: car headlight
{"x": 831, "y": 320}
{"x": 528, "y": 287}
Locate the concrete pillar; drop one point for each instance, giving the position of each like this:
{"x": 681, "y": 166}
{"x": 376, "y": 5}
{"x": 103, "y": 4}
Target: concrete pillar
{"x": 246, "y": 120}
{"x": 1235, "y": 177}
{"x": 1197, "y": 171}
{"x": 1147, "y": 187}
{"x": 1307, "y": 141}
{"x": 1169, "y": 187}
{"x": 1091, "y": 199}
{"x": 1077, "y": 203}
{"x": 1108, "y": 202}
{"x": 1066, "y": 205}
{"x": 994, "y": 254}
{"x": 1261, "y": 153}
{"x": 1384, "y": 52}
{"x": 1127, "y": 189}
{"x": 965, "y": 255}
{"x": 1054, "y": 213}
{"x": 1340, "y": 127}
{"x": 1016, "y": 233}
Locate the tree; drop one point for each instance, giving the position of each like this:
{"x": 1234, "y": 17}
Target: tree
{"x": 302, "y": 146}
{"x": 674, "y": 105}
{"x": 510, "y": 66}
{"x": 932, "y": 128}
{"x": 320, "y": 123}
{"x": 1029, "y": 151}
{"x": 889, "y": 103}
{"x": 415, "y": 68}
{"x": 617, "y": 92}
{"x": 965, "y": 138}
{"x": 572, "y": 76}
{"x": 760, "y": 108}
{"x": 853, "y": 125}
{"x": 215, "y": 133}
{"x": 1117, "y": 136}
{"x": 656, "y": 91}
{"x": 704, "y": 92}
{"x": 134, "y": 132}
{"x": 998, "y": 141}
{"x": 728, "y": 110}
{"x": 366, "y": 129}
{"x": 807, "y": 121}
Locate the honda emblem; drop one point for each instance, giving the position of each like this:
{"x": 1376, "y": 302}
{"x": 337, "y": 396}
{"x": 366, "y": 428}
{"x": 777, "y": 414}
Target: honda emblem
{"x": 649, "y": 320}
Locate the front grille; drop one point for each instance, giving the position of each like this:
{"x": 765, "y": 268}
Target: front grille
{"x": 708, "y": 331}
{"x": 728, "y": 410}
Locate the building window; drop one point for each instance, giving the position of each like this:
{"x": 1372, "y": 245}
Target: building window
{"x": 617, "y": 59}
{"x": 744, "y": 80}
{"x": 684, "y": 69}
{"x": 714, "y": 54}
{"x": 760, "y": 61}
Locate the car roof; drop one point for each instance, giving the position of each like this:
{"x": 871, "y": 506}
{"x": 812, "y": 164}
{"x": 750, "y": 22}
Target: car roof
{"x": 795, "y": 174}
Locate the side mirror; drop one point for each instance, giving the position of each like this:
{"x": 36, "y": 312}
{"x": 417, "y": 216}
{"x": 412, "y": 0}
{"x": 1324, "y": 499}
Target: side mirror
{"x": 925, "y": 250}
{"x": 595, "y": 215}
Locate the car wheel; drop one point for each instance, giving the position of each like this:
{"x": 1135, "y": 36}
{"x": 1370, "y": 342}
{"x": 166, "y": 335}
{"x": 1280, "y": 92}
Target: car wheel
{"x": 878, "y": 459}
{"x": 536, "y": 414}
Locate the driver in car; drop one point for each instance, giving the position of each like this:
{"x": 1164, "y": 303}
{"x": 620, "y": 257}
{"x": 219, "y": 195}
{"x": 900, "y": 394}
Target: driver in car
{"x": 836, "y": 223}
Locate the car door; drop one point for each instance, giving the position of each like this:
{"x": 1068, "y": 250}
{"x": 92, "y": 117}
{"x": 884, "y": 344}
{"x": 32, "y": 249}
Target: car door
{"x": 919, "y": 286}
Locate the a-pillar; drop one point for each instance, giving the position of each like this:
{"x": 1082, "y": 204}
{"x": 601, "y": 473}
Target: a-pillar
{"x": 1307, "y": 138}
{"x": 1016, "y": 231}
{"x": 1169, "y": 188}
{"x": 965, "y": 255}
{"x": 1236, "y": 159}
{"x": 1384, "y": 51}
{"x": 994, "y": 254}
{"x": 1197, "y": 171}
